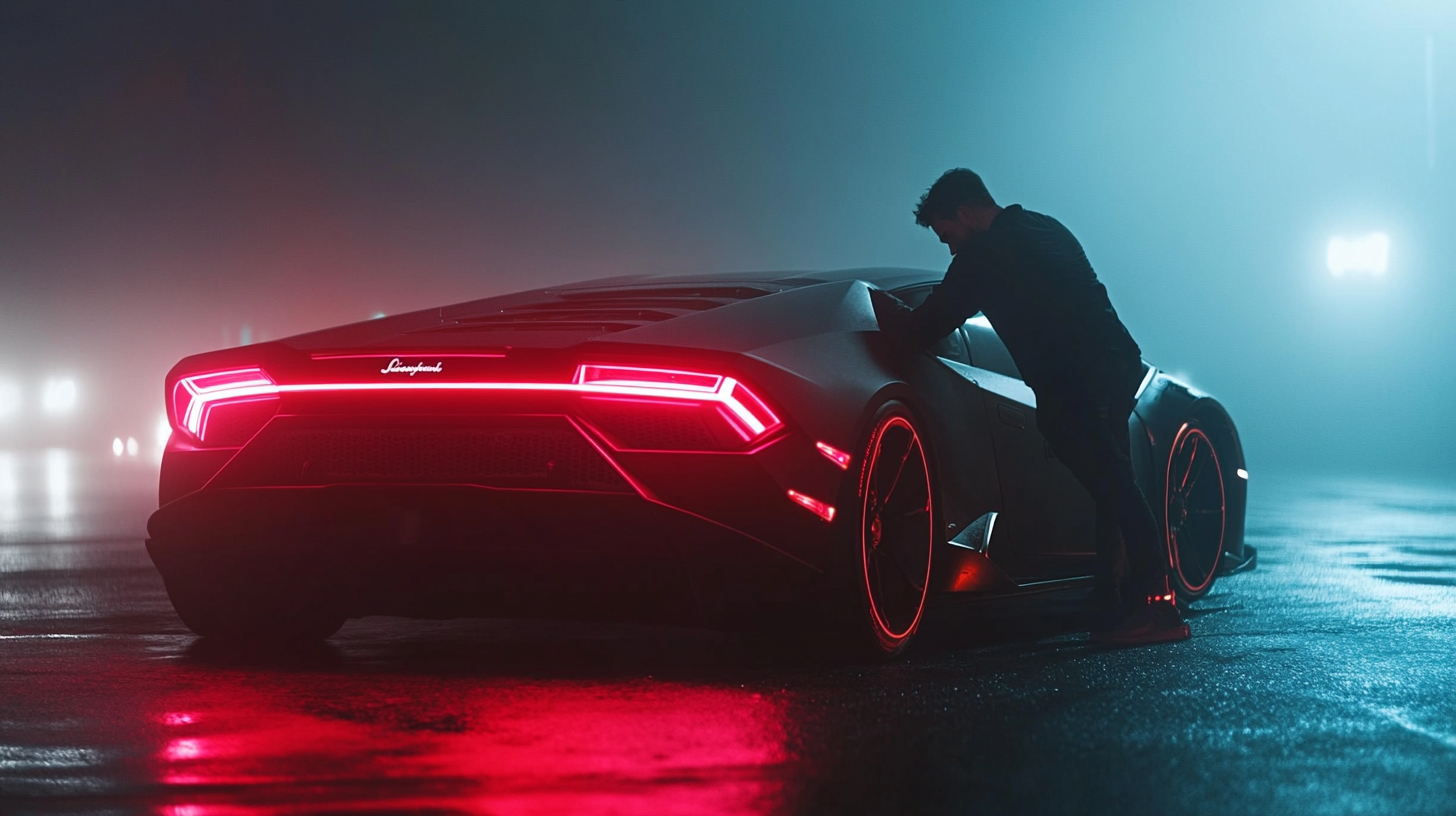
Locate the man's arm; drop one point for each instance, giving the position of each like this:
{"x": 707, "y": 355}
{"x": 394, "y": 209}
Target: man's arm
{"x": 947, "y": 307}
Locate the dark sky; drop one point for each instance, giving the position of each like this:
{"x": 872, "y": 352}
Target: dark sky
{"x": 172, "y": 172}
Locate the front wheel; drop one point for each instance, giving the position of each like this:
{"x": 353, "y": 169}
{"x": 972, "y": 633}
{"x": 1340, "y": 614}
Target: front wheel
{"x": 1195, "y": 512}
{"x": 885, "y": 545}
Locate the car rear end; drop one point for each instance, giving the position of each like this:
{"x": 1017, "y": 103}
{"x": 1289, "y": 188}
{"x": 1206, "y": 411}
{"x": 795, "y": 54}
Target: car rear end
{"x": 439, "y": 471}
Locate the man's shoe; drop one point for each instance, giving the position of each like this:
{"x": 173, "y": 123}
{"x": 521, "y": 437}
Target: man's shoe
{"x": 1156, "y": 622}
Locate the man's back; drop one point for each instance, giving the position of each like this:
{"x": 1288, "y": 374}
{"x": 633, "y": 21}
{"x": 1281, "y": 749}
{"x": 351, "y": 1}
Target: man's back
{"x": 1030, "y": 277}
{"x": 1032, "y": 280}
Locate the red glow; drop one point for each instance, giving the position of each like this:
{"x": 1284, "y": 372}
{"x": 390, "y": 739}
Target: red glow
{"x": 819, "y": 508}
{"x": 746, "y": 434}
{"x": 748, "y": 407}
{"x": 834, "y": 455}
{"x": 213, "y": 405}
{"x": 183, "y": 749}
{"x": 654, "y": 401}
{"x": 1185, "y": 433}
{"x": 872, "y": 456}
{"x": 550, "y": 746}
{"x": 636, "y": 485}
{"x": 745, "y": 411}
{"x": 386, "y": 355}
{"x": 647, "y": 378}
{"x": 194, "y": 396}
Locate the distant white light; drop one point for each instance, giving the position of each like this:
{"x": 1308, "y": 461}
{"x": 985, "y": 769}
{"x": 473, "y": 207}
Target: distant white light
{"x": 163, "y": 435}
{"x": 117, "y": 447}
{"x": 1368, "y": 253}
{"x": 377, "y": 315}
{"x": 9, "y": 399}
{"x": 1243, "y": 474}
{"x": 131, "y": 446}
{"x": 9, "y": 495}
{"x": 58, "y": 483}
{"x": 59, "y": 396}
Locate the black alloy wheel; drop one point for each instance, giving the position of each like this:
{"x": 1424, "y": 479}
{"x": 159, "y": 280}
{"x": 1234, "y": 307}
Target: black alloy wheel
{"x": 896, "y": 534}
{"x": 1195, "y": 513}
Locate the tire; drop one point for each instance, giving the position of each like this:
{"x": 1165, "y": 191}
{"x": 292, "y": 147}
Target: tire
{"x": 1195, "y": 512}
{"x": 886, "y": 541}
{"x": 226, "y": 615}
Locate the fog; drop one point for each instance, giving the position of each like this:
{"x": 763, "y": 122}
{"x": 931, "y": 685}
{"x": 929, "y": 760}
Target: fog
{"x": 181, "y": 177}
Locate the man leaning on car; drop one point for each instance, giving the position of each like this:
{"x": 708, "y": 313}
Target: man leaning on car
{"x": 1031, "y": 279}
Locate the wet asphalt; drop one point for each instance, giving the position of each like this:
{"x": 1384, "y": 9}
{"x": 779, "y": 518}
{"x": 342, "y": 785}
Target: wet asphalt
{"x": 1320, "y": 683}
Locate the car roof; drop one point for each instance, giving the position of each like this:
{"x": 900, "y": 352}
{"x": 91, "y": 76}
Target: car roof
{"x": 882, "y": 277}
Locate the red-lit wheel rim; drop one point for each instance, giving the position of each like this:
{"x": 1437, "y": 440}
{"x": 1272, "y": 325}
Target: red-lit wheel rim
{"x": 896, "y": 533}
{"x": 1195, "y": 510}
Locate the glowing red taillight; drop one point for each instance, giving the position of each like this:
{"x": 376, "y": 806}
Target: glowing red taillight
{"x": 225, "y": 408}
{"x": 655, "y": 378}
{"x": 748, "y": 415}
{"x": 239, "y": 397}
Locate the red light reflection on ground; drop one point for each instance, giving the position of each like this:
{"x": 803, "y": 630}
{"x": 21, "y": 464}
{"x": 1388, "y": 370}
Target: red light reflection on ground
{"x": 183, "y": 749}
{"x": 466, "y": 746}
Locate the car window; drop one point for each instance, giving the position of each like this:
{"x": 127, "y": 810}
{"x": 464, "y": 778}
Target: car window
{"x": 952, "y": 346}
{"x": 987, "y": 350}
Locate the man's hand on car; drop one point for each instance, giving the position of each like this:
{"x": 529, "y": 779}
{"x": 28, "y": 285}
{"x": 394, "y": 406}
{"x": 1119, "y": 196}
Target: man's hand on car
{"x": 890, "y": 311}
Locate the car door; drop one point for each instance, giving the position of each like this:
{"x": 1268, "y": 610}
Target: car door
{"x": 1047, "y": 512}
{"x": 957, "y": 418}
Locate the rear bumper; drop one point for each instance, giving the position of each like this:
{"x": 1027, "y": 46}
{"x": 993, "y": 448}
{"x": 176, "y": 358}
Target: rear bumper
{"x": 449, "y": 551}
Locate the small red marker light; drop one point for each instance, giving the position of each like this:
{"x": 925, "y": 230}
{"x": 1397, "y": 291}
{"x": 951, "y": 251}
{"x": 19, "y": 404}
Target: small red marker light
{"x": 820, "y": 509}
{"x": 834, "y": 454}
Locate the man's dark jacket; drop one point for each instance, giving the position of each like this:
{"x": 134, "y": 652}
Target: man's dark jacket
{"x": 1031, "y": 279}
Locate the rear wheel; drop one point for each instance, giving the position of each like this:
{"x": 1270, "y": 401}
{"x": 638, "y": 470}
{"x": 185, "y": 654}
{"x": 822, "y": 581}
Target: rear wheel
{"x": 885, "y": 548}
{"x": 1195, "y": 512}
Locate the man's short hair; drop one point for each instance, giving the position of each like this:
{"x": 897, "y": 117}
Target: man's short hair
{"x": 948, "y": 193}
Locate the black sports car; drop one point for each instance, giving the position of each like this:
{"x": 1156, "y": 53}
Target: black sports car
{"x": 735, "y": 450}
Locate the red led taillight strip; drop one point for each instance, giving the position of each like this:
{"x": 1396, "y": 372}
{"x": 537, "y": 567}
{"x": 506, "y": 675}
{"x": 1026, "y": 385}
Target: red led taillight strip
{"x": 480, "y": 355}
{"x": 194, "y": 396}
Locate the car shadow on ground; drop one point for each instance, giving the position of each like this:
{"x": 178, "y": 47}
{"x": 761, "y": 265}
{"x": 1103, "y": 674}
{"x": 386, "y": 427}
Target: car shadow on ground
{"x": 1044, "y": 625}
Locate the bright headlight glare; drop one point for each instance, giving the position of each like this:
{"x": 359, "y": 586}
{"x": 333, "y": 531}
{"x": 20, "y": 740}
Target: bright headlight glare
{"x": 9, "y": 399}
{"x": 59, "y": 396}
